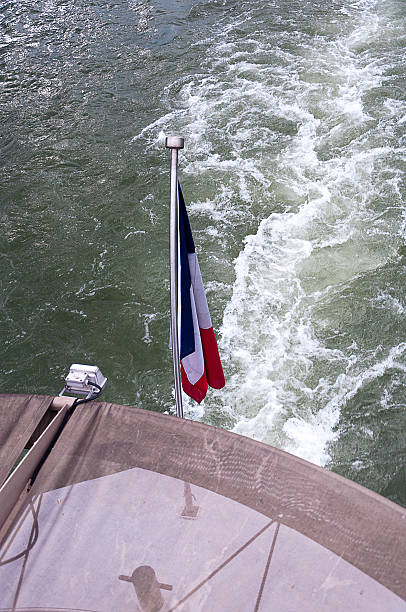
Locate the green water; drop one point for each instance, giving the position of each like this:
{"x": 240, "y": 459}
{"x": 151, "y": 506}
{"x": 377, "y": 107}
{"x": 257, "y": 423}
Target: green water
{"x": 294, "y": 119}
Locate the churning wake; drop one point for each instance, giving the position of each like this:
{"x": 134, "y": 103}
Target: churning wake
{"x": 295, "y": 135}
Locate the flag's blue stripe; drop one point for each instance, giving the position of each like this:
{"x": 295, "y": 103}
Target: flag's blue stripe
{"x": 190, "y": 245}
{"x": 187, "y": 338}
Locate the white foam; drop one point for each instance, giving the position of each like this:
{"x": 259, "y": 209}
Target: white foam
{"x": 291, "y": 134}
{"x": 268, "y": 334}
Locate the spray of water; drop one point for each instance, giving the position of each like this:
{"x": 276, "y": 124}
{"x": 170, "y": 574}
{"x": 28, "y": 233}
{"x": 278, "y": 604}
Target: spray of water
{"x": 305, "y": 151}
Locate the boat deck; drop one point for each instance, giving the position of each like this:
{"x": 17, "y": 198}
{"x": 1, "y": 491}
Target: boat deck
{"x": 139, "y": 510}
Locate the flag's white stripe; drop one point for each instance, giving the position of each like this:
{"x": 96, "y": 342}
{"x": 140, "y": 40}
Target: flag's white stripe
{"x": 193, "y": 364}
{"x": 202, "y": 309}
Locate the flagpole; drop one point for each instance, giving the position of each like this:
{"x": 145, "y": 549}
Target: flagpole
{"x": 175, "y": 143}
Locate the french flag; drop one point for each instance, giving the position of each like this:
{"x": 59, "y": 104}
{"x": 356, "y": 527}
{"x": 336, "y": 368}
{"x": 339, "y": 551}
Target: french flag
{"x": 199, "y": 356}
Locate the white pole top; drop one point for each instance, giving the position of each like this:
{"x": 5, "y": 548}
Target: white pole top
{"x": 174, "y": 142}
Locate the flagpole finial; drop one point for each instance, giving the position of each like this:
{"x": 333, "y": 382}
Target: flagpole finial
{"x": 174, "y": 142}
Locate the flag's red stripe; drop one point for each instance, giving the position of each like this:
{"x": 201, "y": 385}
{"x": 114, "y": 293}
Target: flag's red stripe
{"x": 212, "y": 363}
{"x": 198, "y": 390}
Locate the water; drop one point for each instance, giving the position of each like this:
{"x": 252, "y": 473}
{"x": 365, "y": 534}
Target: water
{"x": 294, "y": 119}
